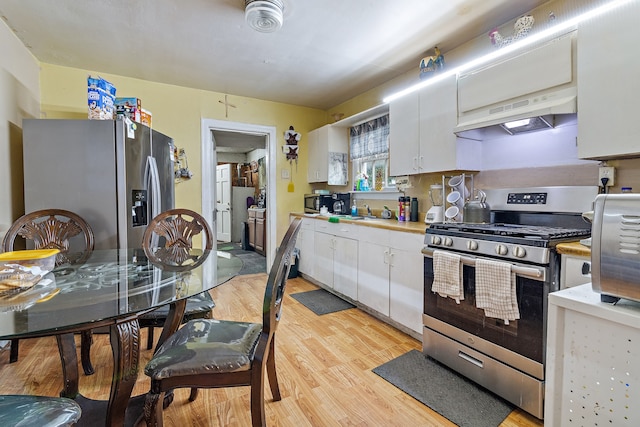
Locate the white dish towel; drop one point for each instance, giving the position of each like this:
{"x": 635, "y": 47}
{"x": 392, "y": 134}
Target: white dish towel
{"x": 447, "y": 275}
{"x": 496, "y": 290}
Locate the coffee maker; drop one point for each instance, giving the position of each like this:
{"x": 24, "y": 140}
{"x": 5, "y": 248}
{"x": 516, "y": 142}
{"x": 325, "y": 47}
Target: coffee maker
{"x": 340, "y": 203}
{"x": 436, "y": 211}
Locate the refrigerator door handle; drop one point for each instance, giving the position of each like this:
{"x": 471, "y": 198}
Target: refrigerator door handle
{"x": 152, "y": 178}
{"x": 152, "y": 181}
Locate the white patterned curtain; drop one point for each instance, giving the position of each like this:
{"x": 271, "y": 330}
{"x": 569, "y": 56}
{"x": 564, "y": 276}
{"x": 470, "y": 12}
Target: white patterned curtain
{"x": 370, "y": 140}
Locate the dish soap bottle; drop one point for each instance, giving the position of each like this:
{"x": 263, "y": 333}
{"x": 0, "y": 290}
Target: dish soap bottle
{"x": 354, "y": 209}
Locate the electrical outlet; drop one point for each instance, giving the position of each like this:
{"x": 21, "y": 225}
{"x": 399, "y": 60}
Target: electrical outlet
{"x": 606, "y": 173}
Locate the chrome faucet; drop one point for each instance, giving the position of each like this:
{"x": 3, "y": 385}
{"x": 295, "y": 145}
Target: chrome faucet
{"x": 368, "y": 210}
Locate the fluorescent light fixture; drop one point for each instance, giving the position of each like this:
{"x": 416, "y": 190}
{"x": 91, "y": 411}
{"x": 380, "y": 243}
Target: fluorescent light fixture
{"x": 529, "y": 40}
{"x": 517, "y": 123}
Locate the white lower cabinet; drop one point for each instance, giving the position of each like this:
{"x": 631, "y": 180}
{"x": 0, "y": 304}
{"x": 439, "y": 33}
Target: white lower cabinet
{"x": 378, "y": 268}
{"x": 373, "y": 276}
{"x": 406, "y": 286}
{"x": 306, "y": 244}
{"x": 336, "y": 257}
{"x": 390, "y": 275}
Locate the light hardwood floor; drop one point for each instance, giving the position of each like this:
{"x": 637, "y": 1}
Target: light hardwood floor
{"x": 324, "y": 367}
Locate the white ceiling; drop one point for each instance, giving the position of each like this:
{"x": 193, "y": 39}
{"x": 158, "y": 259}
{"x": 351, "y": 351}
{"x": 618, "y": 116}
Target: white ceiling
{"x": 327, "y": 51}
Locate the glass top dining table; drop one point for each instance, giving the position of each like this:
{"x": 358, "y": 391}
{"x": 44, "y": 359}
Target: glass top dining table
{"x": 112, "y": 289}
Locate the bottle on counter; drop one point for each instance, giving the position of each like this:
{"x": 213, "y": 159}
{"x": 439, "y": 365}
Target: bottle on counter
{"x": 414, "y": 209}
{"x": 407, "y": 208}
{"x": 400, "y": 209}
{"x": 354, "y": 209}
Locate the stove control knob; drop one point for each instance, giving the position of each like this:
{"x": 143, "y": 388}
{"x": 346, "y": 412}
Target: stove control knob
{"x": 448, "y": 241}
{"x": 436, "y": 240}
{"x": 501, "y": 250}
{"x": 519, "y": 252}
{"x": 472, "y": 245}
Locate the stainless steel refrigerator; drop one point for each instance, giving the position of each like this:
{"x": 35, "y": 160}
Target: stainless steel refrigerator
{"x": 113, "y": 176}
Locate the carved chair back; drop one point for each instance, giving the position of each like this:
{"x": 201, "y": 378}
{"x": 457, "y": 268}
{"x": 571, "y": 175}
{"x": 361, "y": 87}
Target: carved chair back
{"x": 168, "y": 239}
{"x": 54, "y": 229}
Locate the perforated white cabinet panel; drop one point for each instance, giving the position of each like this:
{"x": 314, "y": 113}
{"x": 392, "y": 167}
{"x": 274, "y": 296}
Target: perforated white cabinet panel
{"x": 593, "y": 350}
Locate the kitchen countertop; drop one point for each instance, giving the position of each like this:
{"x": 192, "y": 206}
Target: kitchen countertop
{"x": 418, "y": 227}
{"x": 573, "y": 248}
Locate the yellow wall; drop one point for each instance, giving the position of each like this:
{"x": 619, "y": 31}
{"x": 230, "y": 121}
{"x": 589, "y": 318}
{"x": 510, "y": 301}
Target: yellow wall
{"x": 19, "y": 98}
{"x": 177, "y": 112}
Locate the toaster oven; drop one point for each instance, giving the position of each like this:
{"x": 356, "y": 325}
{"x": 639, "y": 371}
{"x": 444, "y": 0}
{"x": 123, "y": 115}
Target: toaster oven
{"x": 615, "y": 247}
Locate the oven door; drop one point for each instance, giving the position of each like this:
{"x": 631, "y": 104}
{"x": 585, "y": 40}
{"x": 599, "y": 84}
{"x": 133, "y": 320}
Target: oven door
{"x": 525, "y": 336}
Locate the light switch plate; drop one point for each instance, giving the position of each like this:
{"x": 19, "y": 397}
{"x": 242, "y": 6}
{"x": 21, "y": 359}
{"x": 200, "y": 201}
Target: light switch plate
{"x": 284, "y": 174}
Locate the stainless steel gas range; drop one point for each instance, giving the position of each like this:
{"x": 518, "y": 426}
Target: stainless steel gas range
{"x": 506, "y": 356}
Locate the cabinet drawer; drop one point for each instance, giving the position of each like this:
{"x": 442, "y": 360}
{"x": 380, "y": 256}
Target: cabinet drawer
{"x": 411, "y": 242}
{"x": 337, "y": 229}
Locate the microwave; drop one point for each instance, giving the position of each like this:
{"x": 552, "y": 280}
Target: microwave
{"x": 313, "y": 202}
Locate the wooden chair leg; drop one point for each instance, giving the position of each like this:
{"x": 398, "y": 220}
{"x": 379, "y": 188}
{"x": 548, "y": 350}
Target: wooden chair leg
{"x": 271, "y": 371}
{"x": 194, "y": 394}
{"x": 258, "y": 418}
{"x": 13, "y": 351}
{"x": 153, "y": 411}
{"x": 150, "y": 337}
{"x": 86, "y": 339}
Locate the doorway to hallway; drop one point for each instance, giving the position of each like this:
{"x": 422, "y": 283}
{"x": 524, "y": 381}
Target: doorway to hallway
{"x": 230, "y": 143}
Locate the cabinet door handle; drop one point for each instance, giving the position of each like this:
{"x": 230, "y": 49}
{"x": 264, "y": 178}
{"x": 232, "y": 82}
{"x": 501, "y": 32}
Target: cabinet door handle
{"x": 420, "y": 162}
{"x": 415, "y": 163}
{"x": 391, "y": 254}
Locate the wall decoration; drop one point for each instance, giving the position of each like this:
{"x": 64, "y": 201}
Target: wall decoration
{"x": 521, "y": 29}
{"x": 429, "y": 65}
{"x": 181, "y": 165}
{"x": 290, "y": 149}
{"x": 338, "y": 166}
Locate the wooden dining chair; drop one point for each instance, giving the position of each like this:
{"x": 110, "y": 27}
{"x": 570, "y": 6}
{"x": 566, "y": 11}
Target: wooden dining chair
{"x": 208, "y": 353}
{"x": 21, "y": 410}
{"x": 168, "y": 241}
{"x": 54, "y": 229}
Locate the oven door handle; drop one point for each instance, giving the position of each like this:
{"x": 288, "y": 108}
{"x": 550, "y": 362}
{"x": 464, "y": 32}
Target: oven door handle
{"x": 531, "y": 272}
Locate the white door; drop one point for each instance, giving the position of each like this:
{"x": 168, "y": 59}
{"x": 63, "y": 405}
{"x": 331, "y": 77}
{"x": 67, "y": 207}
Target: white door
{"x": 223, "y": 202}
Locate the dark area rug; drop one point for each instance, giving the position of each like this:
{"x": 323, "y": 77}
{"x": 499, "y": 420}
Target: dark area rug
{"x": 322, "y": 302}
{"x": 252, "y": 262}
{"x": 448, "y": 393}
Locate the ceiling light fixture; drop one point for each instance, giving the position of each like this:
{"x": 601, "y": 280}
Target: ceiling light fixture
{"x": 529, "y": 40}
{"x": 265, "y": 16}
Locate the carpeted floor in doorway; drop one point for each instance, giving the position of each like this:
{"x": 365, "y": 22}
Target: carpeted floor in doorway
{"x": 252, "y": 262}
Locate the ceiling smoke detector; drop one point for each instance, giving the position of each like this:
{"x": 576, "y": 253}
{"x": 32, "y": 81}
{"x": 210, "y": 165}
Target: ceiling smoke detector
{"x": 265, "y": 16}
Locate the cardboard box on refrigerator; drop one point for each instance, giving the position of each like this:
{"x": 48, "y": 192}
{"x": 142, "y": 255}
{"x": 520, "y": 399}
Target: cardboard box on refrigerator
{"x": 145, "y": 117}
{"x": 129, "y": 107}
{"x": 101, "y": 97}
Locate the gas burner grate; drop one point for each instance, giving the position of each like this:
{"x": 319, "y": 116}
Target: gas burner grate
{"x": 511, "y": 230}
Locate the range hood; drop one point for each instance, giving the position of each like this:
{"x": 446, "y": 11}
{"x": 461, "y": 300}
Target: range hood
{"x": 537, "y": 83}
{"x": 541, "y": 108}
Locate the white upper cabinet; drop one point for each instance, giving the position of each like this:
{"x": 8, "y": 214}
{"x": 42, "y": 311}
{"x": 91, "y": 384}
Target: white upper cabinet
{"x": 421, "y": 137}
{"x": 404, "y": 135}
{"x": 609, "y": 84}
{"x": 327, "y": 145}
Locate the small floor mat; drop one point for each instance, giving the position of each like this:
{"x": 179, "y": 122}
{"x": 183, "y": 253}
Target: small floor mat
{"x": 322, "y": 302}
{"x": 445, "y": 391}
